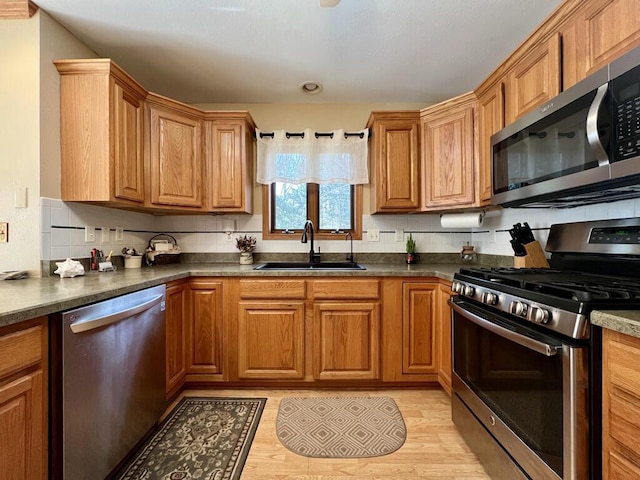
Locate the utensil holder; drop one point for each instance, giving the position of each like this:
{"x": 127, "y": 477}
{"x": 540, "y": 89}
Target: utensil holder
{"x": 534, "y": 258}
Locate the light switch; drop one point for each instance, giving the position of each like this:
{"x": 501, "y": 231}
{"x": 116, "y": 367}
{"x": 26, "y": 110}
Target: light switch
{"x": 373, "y": 235}
{"x": 89, "y": 234}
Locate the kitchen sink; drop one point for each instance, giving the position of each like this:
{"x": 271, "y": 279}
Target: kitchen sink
{"x": 310, "y": 266}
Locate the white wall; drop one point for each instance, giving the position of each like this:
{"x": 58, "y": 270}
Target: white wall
{"x": 19, "y": 142}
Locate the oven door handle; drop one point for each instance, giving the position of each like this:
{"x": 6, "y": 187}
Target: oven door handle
{"x": 528, "y": 342}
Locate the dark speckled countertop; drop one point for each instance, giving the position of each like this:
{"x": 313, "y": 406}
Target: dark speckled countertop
{"x": 33, "y": 297}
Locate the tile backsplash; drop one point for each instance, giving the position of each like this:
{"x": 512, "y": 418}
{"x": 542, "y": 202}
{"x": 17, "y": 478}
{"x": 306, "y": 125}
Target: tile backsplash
{"x": 62, "y": 230}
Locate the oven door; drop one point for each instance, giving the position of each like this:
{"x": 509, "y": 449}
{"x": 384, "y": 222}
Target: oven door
{"x": 529, "y": 390}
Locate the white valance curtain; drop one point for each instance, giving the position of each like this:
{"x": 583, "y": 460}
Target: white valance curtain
{"x": 307, "y": 159}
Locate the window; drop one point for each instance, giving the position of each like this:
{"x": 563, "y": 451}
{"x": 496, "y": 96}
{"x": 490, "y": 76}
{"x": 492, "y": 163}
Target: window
{"x": 334, "y": 209}
{"x": 315, "y": 176}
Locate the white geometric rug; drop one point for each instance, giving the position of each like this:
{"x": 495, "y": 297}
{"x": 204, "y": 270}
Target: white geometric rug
{"x": 340, "y": 427}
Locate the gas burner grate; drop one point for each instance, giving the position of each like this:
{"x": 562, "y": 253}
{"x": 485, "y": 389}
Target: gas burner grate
{"x": 588, "y": 291}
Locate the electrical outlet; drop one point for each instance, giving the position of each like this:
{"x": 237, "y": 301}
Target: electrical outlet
{"x": 492, "y": 236}
{"x": 119, "y": 234}
{"x": 104, "y": 235}
{"x": 89, "y": 234}
{"x": 373, "y": 235}
{"x": 399, "y": 235}
{"x": 228, "y": 236}
{"x": 4, "y": 232}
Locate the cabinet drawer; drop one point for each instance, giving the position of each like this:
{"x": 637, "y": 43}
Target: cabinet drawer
{"x": 337, "y": 289}
{"x": 273, "y": 289}
{"x": 20, "y": 350}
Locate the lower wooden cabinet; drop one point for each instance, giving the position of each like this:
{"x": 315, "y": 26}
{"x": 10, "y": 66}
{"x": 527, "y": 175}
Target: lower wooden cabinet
{"x": 418, "y": 340}
{"x": 620, "y": 405}
{"x": 346, "y": 340}
{"x": 175, "y": 322}
{"x": 271, "y": 340}
{"x": 301, "y": 331}
{"x": 443, "y": 336}
{"x": 23, "y": 401}
{"x": 204, "y": 331}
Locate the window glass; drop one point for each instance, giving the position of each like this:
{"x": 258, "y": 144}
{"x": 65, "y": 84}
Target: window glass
{"x": 335, "y": 207}
{"x": 290, "y": 206}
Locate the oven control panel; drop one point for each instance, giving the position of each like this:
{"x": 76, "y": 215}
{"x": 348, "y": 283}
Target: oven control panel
{"x": 615, "y": 235}
{"x": 567, "y": 323}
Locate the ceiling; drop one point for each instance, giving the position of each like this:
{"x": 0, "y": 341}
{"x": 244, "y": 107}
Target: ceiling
{"x": 261, "y": 51}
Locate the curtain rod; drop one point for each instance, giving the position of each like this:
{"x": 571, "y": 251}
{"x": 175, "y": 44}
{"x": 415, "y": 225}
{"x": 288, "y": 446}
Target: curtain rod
{"x": 317, "y": 134}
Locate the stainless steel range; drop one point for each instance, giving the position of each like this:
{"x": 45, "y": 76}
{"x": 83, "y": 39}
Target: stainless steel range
{"x": 527, "y": 361}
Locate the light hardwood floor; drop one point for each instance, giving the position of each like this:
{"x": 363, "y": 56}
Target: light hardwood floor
{"x": 433, "y": 449}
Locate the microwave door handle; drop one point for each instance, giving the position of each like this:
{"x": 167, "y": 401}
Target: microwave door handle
{"x": 592, "y": 127}
{"x": 523, "y": 340}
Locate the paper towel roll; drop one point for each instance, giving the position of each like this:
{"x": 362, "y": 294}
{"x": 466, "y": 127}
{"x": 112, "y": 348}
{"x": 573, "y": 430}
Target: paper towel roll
{"x": 461, "y": 220}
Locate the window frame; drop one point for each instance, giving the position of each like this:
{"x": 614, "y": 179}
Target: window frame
{"x": 312, "y": 199}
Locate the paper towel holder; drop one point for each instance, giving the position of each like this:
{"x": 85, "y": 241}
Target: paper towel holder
{"x": 462, "y": 220}
{"x": 481, "y": 212}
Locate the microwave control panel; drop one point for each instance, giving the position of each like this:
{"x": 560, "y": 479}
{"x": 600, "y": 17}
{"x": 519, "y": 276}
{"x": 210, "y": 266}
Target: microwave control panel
{"x": 626, "y": 111}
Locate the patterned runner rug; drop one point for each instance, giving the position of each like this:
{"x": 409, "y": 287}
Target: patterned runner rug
{"x": 204, "y": 438}
{"x": 342, "y": 427}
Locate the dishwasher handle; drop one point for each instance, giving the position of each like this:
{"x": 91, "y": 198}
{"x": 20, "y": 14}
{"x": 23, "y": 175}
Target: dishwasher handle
{"x": 87, "y": 324}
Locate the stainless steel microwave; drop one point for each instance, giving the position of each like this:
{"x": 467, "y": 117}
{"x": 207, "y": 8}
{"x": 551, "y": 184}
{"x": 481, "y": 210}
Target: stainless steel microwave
{"x": 580, "y": 148}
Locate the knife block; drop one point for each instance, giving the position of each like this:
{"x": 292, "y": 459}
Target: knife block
{"x": 533, "y": 259}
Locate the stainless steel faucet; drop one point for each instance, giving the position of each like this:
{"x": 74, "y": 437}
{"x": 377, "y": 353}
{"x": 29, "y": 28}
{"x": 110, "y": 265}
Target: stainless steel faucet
{"x": 307, "y": 232}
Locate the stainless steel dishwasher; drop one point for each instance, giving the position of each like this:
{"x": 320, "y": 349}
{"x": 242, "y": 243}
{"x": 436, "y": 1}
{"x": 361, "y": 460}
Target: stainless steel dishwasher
{"x": 108, "y": 382}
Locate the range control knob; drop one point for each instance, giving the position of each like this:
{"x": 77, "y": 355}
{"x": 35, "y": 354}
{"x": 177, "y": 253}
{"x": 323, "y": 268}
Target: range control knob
{"x": 489, "y": 298}
{"x": 540, "y": 315}
{"x": 469, "y": 291}
{"x": 518, "y": 308}
{"x": 456, "y": 287}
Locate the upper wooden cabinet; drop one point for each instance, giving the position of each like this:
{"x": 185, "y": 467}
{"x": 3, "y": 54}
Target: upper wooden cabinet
{"x": 597, "y": 33}
{"x": 449, "y": 153}
{"x": 101, "y": 116}
{"x": 125, "y": 147}
{"x": 175, "y": 153}
{"x": 229, "y": 159}
{"x": 395, "y": 161}
{"x": 533, "y": 80}
{"x": 490, "y": 121}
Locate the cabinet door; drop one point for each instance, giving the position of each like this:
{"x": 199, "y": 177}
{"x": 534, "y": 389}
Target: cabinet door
{"x": 620, "y": 405}
{"x": 127, "y": 143}
{"x": 448, "y": 158}
{"x": 346, "y": 341}
{"x": 611, "y": 28}
{"x": 22, "y": 428}
{"x": 418, "y": 339}
{"x": 395, "y": 164}
{"x": 534, "y": 79}
{"x": 176, "y": 158}
{"x": 443, "y": 334}
{"x": 175, "y": 320}
{"x": 271, "y": 340}
{"x": 490, "y": 121}
{"x": 230, "y": 166}
{"x": 204, "y": 333}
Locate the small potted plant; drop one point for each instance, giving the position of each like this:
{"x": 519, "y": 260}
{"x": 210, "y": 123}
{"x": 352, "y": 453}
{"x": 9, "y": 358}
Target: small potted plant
{"x": 246, "y": 245}
{"x": 410, "y": 256}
